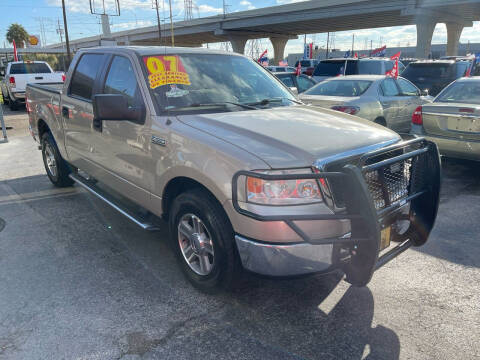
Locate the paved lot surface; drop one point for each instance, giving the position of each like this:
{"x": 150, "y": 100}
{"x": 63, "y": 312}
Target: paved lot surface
{"x": 78, "y": 281}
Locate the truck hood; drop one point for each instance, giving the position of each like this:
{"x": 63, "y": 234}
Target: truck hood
{"x": 293, "y": 136}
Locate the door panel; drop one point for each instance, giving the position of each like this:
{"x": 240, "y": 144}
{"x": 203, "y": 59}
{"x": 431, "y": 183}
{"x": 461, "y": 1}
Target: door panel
{"x": 77, "y": 112}
{"x": 409, "y": 100}
{"x": 123, "y": 148}
{"x": 389, "y": 95}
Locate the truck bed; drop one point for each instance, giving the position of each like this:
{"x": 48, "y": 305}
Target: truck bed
{"x": 50, "y": 87}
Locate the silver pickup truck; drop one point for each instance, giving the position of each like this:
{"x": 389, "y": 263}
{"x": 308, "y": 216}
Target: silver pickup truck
{"x": 247, "y": 176}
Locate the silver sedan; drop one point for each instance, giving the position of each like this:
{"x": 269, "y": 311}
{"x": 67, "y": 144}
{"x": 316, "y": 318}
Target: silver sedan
{"x": 452, "y": 121}
{"x": 379, "y": 98}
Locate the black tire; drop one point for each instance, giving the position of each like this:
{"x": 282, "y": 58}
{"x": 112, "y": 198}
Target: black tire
{"x": 227, "y": 269}
{"x": 59, "y": 177}
{"x": 13, "y": 105}
{"x": 381, "y": 121}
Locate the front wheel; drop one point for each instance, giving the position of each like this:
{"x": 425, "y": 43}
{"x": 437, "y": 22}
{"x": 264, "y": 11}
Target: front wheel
{"x": 57, "y": 168}
{"x": 203, "y": 241}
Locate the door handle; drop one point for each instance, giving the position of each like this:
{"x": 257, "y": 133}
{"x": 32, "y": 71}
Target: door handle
{"x": 65, "y": 112}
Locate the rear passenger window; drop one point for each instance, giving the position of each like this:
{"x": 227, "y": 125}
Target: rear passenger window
{"x": 84, "y": 76}
{"x": 389, "y": 88}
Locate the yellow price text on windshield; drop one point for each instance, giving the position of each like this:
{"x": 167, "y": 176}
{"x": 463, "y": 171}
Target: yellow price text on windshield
{"x": 165, "y": 70}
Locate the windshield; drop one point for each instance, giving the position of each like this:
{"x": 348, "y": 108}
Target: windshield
{"x": 335, "y": 68}
{"x": 431, "y": 71}
{"x": 29, "y": 68}
{"x": 189, "y": 82}
{"x": 465, "y": 92}
{"x": 348, "y": 88}
{"x": 373, "y": 67}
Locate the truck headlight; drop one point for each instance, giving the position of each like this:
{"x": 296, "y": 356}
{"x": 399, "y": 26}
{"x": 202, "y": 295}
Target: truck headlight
{"x": 283, "y": 192}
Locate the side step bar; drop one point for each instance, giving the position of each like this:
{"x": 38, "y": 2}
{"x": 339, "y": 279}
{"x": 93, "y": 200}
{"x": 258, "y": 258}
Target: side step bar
{"x": 103, "y": 195}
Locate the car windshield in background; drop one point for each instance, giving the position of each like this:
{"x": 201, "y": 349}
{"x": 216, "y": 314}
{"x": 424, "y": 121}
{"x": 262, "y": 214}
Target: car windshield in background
{"x": 373, "y": 67}
{"x": 335, "y": 67}
{"x": 428, "y": 71}
{"x": 348, "y": 88}
{"x": 212, "y": 83}
{"x": 29, "y": 68}
{"x": 465, "y": 92}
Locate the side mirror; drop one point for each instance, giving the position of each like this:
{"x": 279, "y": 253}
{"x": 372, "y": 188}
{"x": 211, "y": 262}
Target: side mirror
{"x": 424, "y": 92}
{"x": 294, "y": 90}
{"x": 115, "y": 107}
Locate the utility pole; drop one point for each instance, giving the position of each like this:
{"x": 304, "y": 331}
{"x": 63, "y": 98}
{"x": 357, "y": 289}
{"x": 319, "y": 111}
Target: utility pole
{"x": 171, "y": 23}
{"x": 328, "y": 40}
{"x": 158, "y": 23}
{"x": 353, "y": 42}
{"x": 60, "y": 32}
{"x": 67, "y": 42}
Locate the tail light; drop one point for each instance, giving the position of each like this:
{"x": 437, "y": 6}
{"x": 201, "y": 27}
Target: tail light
{"x": 417, "y": 118}
{"x": 352, "y": 110}
{"x": 12, "y": 80}
{"x": 63, "y": 77}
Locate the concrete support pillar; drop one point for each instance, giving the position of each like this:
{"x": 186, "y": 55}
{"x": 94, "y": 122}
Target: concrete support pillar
{"x": 238, "y": 44}
{"x": 424, "y": 38}
{"x": 454, "y": 30}
{"x": 279, "y": 44}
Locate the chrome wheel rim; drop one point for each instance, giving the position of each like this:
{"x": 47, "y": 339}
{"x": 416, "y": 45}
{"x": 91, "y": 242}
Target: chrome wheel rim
{"x": 50, "y": 160}
{"x": 196, "y": 244}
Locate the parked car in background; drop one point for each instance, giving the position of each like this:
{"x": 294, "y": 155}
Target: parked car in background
{"x": 434, "y": 75}
{"x": 452, "y": 121}
{"x": 406, "y": 61}
{"x": 307, "y": 66}
{"x": 19, "y": 73}
{"x": 354, "y": 66}
{"x": 298, "y": 84}
{"x": 379, "y": 98}
{"x": 280, "y": 68}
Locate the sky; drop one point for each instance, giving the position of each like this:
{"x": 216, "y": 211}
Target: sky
{"x": 33, "y": 14}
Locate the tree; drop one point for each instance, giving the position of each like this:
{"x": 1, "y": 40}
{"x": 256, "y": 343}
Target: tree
{"x": 18, "y": 33}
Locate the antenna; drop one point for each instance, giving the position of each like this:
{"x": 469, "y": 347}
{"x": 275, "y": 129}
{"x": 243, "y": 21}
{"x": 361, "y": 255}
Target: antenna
{"x": 188, "y": 4}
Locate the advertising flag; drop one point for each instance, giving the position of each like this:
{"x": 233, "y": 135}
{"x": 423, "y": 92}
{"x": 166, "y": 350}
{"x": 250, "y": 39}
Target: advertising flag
{"x": 379, "y": 52}
{"x": 394, "y": 72}
{"x": 261, "y": 56}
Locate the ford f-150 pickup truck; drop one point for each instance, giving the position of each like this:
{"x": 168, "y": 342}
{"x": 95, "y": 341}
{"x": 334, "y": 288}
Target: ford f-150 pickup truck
{"x": 19, "y": 73}
{"x": 247, "y": 176}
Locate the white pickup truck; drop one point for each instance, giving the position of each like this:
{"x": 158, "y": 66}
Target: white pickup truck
{"x": 20, "y": 73}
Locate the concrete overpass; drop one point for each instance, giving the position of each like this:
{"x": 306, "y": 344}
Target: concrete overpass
{"x": 284, "y": 22}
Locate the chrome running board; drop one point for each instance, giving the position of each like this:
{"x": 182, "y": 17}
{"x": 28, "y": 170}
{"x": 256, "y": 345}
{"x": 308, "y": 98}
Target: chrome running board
{"x": 109, "y": 199}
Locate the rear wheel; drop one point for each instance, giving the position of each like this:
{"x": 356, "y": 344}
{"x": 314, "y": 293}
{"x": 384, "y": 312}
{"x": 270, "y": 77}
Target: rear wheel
{"x": 56, "y": 167}
{"x": 380, "y": 121}
{"x": 13, "y": 104}
{"x": 203, "y": 241}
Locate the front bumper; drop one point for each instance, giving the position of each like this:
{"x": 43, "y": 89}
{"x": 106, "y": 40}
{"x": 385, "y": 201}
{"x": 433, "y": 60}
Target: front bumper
{"x": 365, "y": 209}
{"x": 284, "y": 259}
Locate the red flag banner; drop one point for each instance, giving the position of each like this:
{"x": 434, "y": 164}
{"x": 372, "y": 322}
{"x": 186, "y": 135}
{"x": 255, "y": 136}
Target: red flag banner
{"x": 263, "y": 54}
{"x": 394, "y": 72}
{"x": 299, "y": 68}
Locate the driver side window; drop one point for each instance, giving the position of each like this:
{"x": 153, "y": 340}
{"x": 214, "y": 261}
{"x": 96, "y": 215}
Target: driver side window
{"x": 121, "y": 80}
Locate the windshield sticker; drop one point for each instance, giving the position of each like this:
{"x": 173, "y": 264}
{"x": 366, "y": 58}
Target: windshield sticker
{"x": 175, "y": 92}
{"x": 164, "y": 70}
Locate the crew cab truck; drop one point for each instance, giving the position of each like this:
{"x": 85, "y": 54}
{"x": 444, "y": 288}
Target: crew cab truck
{"x": 247, "y": 176}
{"x": 19, "y": 73}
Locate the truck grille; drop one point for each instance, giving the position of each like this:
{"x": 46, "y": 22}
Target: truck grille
{"x": 387, "y": 184}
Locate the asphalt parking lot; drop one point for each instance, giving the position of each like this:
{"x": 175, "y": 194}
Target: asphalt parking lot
{"x": 79, "y": 281}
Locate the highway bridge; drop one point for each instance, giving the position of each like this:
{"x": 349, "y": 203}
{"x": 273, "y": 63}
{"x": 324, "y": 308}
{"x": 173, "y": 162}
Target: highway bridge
{"x": 284, "y": 22}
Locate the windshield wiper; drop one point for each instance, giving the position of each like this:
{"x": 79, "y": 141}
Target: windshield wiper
{"x": 223, "y": 103}
{"x": 273, "y": 100}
